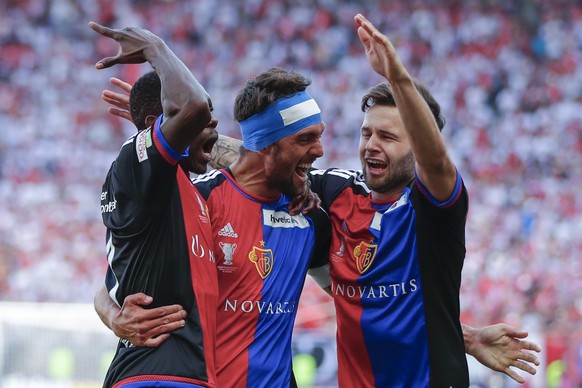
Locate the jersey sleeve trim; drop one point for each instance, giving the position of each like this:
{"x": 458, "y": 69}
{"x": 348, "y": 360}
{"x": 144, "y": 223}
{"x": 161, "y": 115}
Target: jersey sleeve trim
{"x": 168, "y": 153}
{"x": 453, "y": 197}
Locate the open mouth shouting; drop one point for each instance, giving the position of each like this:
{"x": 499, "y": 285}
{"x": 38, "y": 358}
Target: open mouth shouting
{"x": 206, "y": 149}
{"x": 375, "y": 167}
{"x": 301, "y": 172}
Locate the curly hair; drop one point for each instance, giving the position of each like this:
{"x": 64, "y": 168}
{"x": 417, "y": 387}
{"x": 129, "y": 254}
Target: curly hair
{"x": 145, "y": 99}
{"x": 266, "y": 88}
{"x": 382, "y": 94}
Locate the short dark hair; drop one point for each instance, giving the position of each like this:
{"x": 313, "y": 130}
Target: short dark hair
{"x": 145, "y": 99}
{"x": 382, "y": 94}
{"x": 266, "y": 88}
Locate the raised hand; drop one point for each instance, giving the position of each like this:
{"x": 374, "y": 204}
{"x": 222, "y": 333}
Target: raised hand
{"x": 132, "y": 41}
{"x": 380, "y": 51}
{"x": 120, "y": 101}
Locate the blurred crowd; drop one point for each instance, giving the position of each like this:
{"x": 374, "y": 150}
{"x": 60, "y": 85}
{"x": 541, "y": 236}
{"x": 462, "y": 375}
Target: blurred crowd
{"x": 507, "y": 74}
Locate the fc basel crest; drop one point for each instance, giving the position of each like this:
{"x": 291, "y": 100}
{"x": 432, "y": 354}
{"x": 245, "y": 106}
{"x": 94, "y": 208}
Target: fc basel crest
{"x": 263, "y": 259}
{"x": 364, "y": 254}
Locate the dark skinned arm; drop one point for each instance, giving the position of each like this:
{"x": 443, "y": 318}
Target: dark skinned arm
{"x": 133, "y": 322}
{"x": 185, "y": 102}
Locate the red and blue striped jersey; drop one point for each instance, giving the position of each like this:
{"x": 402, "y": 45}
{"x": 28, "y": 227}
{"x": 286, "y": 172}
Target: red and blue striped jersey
{"x": 159, "y": 242}
{"x": 396, "y": 274}
{"x": 262, "y": 256}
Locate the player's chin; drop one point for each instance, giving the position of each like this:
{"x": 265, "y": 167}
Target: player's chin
{"x": 198, "y": 163}
{"x": 200, "y": 168}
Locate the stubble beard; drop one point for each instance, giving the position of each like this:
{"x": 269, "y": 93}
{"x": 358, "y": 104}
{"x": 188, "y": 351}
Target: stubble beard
{"x": 280, "y": 180}
{"x": 400, "y": 173}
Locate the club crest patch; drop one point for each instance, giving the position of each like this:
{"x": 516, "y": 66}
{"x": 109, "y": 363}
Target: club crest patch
{"x": 364, "y": 254}
{"x": 263, "y": 260}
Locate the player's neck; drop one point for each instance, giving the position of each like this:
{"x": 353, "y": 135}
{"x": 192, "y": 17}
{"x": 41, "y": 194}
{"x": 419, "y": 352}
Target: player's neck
{"x": 388, "y": 196}
{"x": 249, "y": 172}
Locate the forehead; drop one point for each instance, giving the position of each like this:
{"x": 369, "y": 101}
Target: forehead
{"x": 382, "y": 116}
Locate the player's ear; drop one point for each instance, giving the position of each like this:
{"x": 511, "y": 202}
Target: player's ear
{"x": 149, "y": 120}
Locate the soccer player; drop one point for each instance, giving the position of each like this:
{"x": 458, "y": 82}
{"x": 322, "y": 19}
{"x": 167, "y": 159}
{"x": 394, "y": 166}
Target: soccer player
{"x": 398, "y": 242}
{"x": 159, "y": 238}
{"x": 262, "y": 252}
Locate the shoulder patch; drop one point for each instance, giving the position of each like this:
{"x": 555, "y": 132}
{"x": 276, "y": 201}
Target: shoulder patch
{"x": 143, "y": 141}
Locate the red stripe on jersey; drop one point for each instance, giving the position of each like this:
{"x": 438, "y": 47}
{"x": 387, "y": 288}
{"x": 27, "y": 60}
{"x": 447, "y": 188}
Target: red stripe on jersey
{"x": 234, "y": 219}
{"x": 350, "y": 232}
{"x": 202, "y": 265}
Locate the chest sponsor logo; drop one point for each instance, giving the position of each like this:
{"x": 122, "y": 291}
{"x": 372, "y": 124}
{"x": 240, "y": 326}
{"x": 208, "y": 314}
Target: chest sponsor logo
{"x": 262, "y": 307}
{"x": 375, "y": 291}
{"x": 364, "y": 254}
{"x": 284, "y": 220}
{"x": 263, "y": 260}
{"x": 228, "y": 250}
{"x": 143, "y": 141}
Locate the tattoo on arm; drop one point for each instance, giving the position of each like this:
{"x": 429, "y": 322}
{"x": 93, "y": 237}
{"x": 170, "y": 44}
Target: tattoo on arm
{"x": 225, "y": 152}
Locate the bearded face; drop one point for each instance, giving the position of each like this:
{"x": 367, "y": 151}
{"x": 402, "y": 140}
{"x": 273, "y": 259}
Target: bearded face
{"x": 383, "y": 178}
{"x": 385, "y": 152}
{"x": 291, "y": 158}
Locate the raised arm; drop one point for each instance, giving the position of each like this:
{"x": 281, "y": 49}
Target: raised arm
{"x": 433, "y": 166}
{"x": 185, "y": 102}
{"x": 225, "y": 150}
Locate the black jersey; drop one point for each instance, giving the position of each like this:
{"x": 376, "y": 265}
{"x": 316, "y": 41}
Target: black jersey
{"x": 159, "y": 242}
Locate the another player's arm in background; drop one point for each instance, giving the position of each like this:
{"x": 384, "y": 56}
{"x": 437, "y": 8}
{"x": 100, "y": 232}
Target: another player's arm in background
{"x": 500, "y": 346}
{"x": 140, "y": 326}
{"x": 225, "y": 152}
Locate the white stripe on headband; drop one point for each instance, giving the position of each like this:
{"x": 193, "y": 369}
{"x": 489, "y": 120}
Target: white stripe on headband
{"x": 300, "y": 111}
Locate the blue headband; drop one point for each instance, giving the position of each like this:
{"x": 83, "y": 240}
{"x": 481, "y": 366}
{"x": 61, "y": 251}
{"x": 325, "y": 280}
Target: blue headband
{"x": 284, "y": 117}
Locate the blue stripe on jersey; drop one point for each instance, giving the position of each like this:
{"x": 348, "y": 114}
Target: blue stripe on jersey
{"x": 453, "y": 197}
{"x": 394, "y": 290}
{"x": 291, "y": 248}
{"x": 167, "y": 147}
